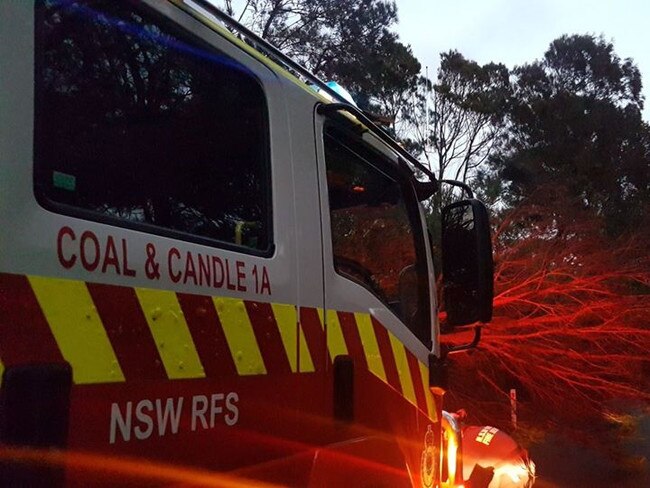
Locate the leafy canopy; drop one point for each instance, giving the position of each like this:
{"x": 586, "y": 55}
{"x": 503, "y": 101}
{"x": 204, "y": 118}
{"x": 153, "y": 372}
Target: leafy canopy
{"x": 575, "y": 121}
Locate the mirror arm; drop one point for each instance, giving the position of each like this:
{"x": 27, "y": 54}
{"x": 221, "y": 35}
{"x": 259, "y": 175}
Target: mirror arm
{"x": 464, "y": 347}
{"x": 438, "y": 373}
{"x": 459, "y": 184}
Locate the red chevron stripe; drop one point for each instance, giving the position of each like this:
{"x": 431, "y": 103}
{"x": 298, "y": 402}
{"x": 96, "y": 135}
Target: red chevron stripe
{"x": 128, "y": 331}
{"x": 207, "y": 333}
{"x": 268, "y": 337}
{"x": 25, "y": 335}
{"x": 352, "y": 339}
{"x": 414, "y": 368}
{"x": 314, "y": 335}
{"x": 387, "y": 355}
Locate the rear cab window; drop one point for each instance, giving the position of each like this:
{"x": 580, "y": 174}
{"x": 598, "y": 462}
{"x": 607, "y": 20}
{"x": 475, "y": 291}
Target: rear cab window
{"x": 139, "y": 125}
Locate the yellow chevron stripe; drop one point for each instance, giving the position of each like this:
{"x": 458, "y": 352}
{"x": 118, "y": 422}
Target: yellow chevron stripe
{"x": 2, "y": 370}
{"x": 306, "y": 364}
{"x": 370, "y": 345}
{"x": 431, "y": 402}
{"x": 239, "y": 334}
{"x": 171, "y": 334}
{"x": 78, "y": 329}
{"x": 335, "y": 339}
{"x": 287, "y": 320}
{"x": 403, "y": 371}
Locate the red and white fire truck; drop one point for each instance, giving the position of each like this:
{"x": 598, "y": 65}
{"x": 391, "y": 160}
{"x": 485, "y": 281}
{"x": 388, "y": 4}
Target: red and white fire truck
{"x": 214, "y": 270}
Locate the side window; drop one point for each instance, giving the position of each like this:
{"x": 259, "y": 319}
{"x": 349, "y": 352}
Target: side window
{"x": 140, "y": 125}
{"x": 376, "y": 235}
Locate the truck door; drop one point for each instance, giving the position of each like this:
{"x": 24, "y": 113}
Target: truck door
{"x": 377, "y": 293}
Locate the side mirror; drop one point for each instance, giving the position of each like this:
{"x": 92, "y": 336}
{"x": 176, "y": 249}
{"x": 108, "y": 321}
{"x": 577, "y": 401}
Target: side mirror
{"x": 467, "y": 266}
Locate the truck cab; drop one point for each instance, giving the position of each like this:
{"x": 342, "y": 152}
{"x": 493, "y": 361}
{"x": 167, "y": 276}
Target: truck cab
{"x": 210, "y": 272}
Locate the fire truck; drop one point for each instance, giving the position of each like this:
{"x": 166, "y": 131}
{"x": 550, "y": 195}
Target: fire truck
{"x": 215, "y": 270}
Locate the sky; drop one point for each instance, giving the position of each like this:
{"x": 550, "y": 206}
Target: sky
{"x": 515, "y": 32}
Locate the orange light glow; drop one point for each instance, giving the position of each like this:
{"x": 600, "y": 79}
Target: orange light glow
{"x": 570, "y": 323}
{"x": 452, "y": 450}
{"x": 85, "y": 465}
{"x": 515, "y": 472}
{"x": 127, "y": 469}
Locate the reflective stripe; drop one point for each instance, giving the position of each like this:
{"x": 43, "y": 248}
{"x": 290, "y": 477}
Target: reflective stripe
{"x": 370, "y": 345}
{"x": 335, "y": 340}
{"x": 77, "y": 329}
{"x": 128, "y": 331}
{"x": 431, "y": 403}
{"x": 79, "y": 335}
{"x": 403, "y": 369}
{"x": 416, "y": 376}
{"x": 171, "y": 334}
{"x": 267, "y": 335}
{"x": 209, "y": 339}
{"x": 287, "y": 319}
{"x": 2, "y": 370}
{"x": 306, "y": 364}
{"x": 312, "y": 340}
{"x": 387, "y": 356}
{"x": 239, "y": 334}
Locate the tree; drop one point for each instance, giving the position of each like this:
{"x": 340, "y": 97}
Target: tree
{"x": 385, "y": 82}
{"x": 575, "y": 121}
{"x": 570, "y": 330}
{"x": 455, "y": 124}
{"x": 350, "y": 42}
{"x": 319, "y": 33}
{"x": 458, "y": 120}
{"x": 572, "y": 275}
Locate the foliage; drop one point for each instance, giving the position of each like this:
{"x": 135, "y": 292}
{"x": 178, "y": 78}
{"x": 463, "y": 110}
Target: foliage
{"x": 570, "y": 189}
{"x": 385, "y": 82}
{"x": 459, "y": 118}
{"x": 347, "y": 41}
{"x": 575, "y": 122}
{"x": 570, "y": 329}
{"x": 455, "y": 124}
